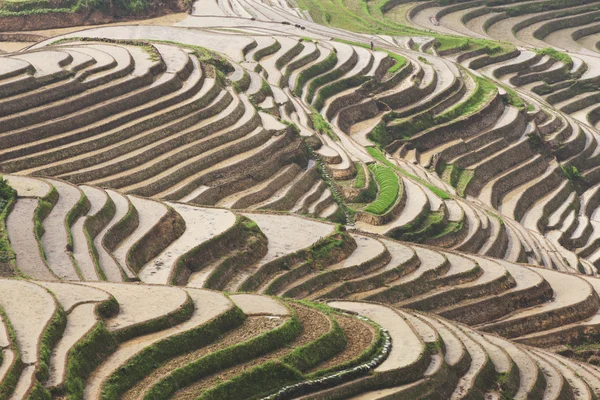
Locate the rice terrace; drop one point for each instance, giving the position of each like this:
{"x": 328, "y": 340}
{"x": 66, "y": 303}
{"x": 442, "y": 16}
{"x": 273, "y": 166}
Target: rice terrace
{"x": 300, "y": 199}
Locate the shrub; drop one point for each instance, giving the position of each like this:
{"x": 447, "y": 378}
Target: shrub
{"x": 571, "y": 172}
{"x": 322, "y": 126}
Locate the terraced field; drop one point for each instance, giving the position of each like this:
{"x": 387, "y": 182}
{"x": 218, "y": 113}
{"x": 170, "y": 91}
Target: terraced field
{"x": 313, "y": 200}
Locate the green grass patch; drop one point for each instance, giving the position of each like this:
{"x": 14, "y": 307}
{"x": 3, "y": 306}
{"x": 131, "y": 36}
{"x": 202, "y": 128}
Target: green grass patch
{"x": 465, "y": 176}
{"x": 322, "y": 126}
{"x": 556, "y": 55}
{"x": 513, "y": 98}
{"x": 371, "y": 17}
{"x": 254, "y": 383}
{"x": 323, "y": 348}
{"x": 52, "y": 334}
{"x": 457, "y": 177}
{"x": 389, "y": 189}
{"x": 360, "y": 179}
{"x": 470, "y": 44}
{"x": 378, "y": 155}
{"x": 7, "y": 198}
{"x": 431, "y": 225}
{"x": 317, "y": 69}
{"x": 85, "y": 357}
{"x": 267, "y": 51}
{"x": 11, "y": 377}
{"x": 408, "y": 127}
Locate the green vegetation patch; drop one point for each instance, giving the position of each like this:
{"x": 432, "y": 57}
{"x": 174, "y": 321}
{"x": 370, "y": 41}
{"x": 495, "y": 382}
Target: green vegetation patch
{"x": 322, "y": 126}
{"x": 431, "y": 224}
{"x": 225, "y": 358}
{"x": 7, "y": 198}
{"x": 378, "y": 155}
{"x": 323, "y": 348}
{"x": 371, "y": 17}
{"x": 328, "y": 63}
{"x": 571, "y": 173}
{"x": 259, "y": 380}
{"x": 267, "y": 51}
{"x": 157, "y": 354}
{"x": 406, "y": 128}
{"x": 11, "y": 377}
{"x": 458, "y": 177}
{"x": 445, "y": 43}
{"x": 556, "y": 55}
{"x": 513, "y": 98}
{"x": 360, "y": 179}
{"x": 118, "y": 7}
{"x": 85, "y": 357}
{"x": 52, "y": 334}
{"x": 389, "y": 189}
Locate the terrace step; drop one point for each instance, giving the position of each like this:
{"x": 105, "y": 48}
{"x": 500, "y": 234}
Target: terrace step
{"x": 20, "y": 226}
{"x": 582, "y": 303}
{"x": 528, "y": 285}
{"x": 207, "y": 305}
{"x": 29, "y": 320}
{"x": 112, "y": 148}
{"x": 409, "y": 348}
{"x": 46, "y": 124}
{"x": 403, "y": 261}
{"x": 369, "y": 255}
{"x": 531, "y": 376}
{"x": 201, "y": 224}
{"x": 431, "y": 265}
{"x": 56, "y": 240}
{"x": 480, "y": 365}
{"x": 108, "y": 263}
{"x": 152, "y": 213}
{"x": 253, "y": 197}
{"x": 82, "y": 253}
{"x": 493, "y": 279}
{"x": 80, "y": 303}
{"x": 285, "y": 235}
